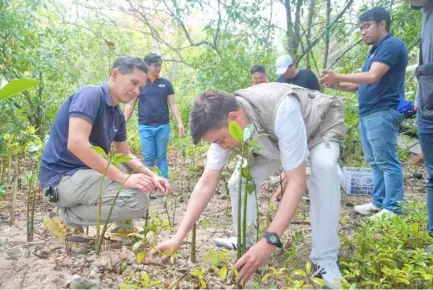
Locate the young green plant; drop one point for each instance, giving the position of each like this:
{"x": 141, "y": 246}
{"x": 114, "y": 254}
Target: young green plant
{"x": 248, "y": 146}
{"x": 114, "y": 160}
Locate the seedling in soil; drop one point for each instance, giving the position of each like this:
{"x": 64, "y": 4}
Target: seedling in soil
{"x": 246, "y": 149}
{"x": 114, "y": 160}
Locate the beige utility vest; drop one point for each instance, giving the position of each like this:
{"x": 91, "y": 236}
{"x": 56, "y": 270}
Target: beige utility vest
{"x": 323, "y": 114}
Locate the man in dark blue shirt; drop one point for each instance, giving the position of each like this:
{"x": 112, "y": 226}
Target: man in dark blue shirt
{"x": 91, "y": 116}
{"x": 153, "y": 115}
{"x": 380, "y": 88}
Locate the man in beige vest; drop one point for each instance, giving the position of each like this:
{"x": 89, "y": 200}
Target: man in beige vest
{"x": 300, "y": 124}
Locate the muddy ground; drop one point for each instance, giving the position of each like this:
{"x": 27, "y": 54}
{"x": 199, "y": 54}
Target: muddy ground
{"x": 46, "y": 263}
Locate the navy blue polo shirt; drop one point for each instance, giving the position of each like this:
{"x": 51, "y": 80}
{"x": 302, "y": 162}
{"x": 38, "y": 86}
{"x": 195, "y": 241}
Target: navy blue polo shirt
{"x": 153, "y": 102}
{"x": 386, "y": 93}
{"x": 91, "y": 103}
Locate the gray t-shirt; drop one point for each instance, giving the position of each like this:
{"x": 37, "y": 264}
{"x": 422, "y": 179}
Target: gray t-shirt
{"x": 426, "y": 37}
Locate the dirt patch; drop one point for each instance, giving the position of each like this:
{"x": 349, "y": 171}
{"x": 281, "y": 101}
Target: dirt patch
{"x": 46, "y": 263}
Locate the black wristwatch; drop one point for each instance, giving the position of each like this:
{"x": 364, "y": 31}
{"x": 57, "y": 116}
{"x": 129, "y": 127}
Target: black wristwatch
{"x": 273, "y": 239}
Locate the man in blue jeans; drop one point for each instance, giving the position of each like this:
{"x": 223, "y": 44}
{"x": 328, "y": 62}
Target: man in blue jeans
{"x": 380, "y": 87}
{"x": 425, "y": 123}
{"x": 153, "y": 115}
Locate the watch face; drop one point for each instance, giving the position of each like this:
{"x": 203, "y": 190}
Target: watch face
{"x": 273, "y": 239}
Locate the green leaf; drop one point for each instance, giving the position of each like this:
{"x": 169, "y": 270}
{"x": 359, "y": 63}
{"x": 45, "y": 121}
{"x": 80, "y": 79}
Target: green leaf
{"x": 255, "y": 140}
{"x": 16, "y": 87}
{"x": 248, "y": 132}
{"x": 123, "y": 267}
{"x": 135, "y": 235}
{"x": 223, "y": 273}
{"x": 255, "y": 148}
{"x": 266, "y": 277}
{"x": 308, "y": 267}
{"x": 137, "y": 245}
{"x": 318, "y": 281}
{"x": 299, "y": 273}
{"x": 235, "y": 271}
{"x": 144, "y": 279}
{"x": 140, "y": 257}
{"x": 119, "y": 158}
{"x": 352, "y": 287}
{"x": 246, "y": 174}
{"x": 100, "y": 151}
{"x": 251, "y": 187}
{"x": 236, "y": 131}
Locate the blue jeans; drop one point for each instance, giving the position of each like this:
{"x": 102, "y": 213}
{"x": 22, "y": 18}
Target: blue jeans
{"x": 379, "y": 132}
{"x": 425, "y": 134}
{"x": 154, "y": 141}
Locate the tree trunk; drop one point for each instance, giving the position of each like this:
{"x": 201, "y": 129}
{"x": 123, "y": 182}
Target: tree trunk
{"x": 297, "y": 24}
{"x": 310, "y": 23}
{"x": 291, "y": 36}
{"x": 327, "y": 34}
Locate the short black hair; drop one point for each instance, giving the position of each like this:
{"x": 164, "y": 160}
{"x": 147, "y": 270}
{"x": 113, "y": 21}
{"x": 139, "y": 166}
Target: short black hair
{"x": 377, "y": 14}
{"x": 210, "y": 111}
{"x": 152, "y": 58}
{"x": 126, "y": 64}
{"x": 258, "y": 68}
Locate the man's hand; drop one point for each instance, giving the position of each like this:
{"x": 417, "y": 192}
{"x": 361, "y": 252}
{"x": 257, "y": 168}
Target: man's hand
{"x": 329, "y": 78}
{"x": 140, "y": 181}
{"x": 181, "y": 130}
{"x": 170, "y": 246}
{"x": 162, "y": 184}
{"x": 253, "y": 259}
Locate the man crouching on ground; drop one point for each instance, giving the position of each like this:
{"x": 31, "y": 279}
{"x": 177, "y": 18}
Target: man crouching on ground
{"x": 71, "y": 169}
{"x": 300, "y": 124}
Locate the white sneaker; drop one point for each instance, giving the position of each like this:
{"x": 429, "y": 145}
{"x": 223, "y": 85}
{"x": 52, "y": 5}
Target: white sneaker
{"x": 230, "y": 243}
{"x": 384, "y": 213}
{"x": 330, "y": 273}
{"x": 366, "y": 209}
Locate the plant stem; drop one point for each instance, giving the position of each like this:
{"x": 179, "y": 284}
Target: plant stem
{"x": 98, "y": 218}
{"x": 175, "y": 206}
{"x": 193, "y": 243}
{"x": 244, "y": 222}
{"x": 239, "y": 240}
{"x": 14, "y": 193}
{"x": 166, "y": 211}
{"x": 104, "y": 229}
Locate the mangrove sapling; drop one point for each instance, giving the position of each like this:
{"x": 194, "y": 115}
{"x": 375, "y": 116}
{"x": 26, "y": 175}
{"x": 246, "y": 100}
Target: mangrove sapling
{"x": 114, "y": 160}
{"x": 32, "y": 180}
{"x": 14, "y": 193}
{"x": 246, "y": 149}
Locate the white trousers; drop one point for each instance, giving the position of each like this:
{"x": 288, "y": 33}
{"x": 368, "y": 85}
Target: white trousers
{"x": 324, "y": 189}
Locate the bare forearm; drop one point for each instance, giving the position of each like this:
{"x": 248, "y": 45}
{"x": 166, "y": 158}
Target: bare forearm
{"x": 128, "y": 112}
{"x": 176, "y": 113}
{"x": 358, "y": 78}
{"x": 347, "y": 87}
{"x": 96, "y": 162}
{"x": 286, "y": 210}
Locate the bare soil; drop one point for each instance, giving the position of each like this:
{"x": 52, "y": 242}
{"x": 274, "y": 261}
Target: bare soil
{"x": 46, "y": 263}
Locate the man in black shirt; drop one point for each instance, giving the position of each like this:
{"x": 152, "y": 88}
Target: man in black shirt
{"x": 287, "y": 72}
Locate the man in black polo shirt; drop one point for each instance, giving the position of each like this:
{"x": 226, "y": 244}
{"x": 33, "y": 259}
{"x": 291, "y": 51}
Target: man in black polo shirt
{"x": 153, "y": 115}
{"x": 288, "y": 74}
{"x": 71, "y": 169}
